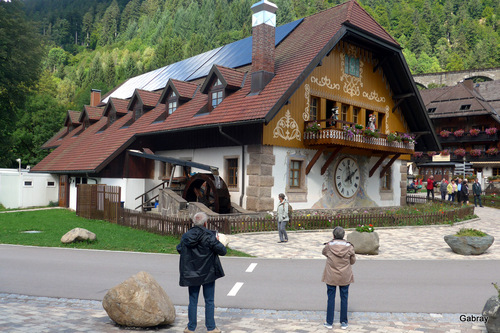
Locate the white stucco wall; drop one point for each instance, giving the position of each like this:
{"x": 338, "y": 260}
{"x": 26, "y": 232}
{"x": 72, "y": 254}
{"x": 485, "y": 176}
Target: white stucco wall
{"x": 321, "y": 192}
{"x": 15, "y": 194}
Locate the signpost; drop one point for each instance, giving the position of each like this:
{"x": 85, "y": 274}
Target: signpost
{"x": 463, "y": 169}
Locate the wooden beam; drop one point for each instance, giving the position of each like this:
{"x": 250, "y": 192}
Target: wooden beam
{"x": 384, "y": 170}
{"x": 314, "y": 159}
{"x": 330, "y": 159}
{"x": 403, "y": 96}
{"x": 380, "y": 63}
{"x": 397, "y": 104}
{"x": 382, "y": 158}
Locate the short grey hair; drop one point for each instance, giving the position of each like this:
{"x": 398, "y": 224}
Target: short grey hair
{"x": 281, "y": 195}
{"x": 199, "y": 219}
{"x": 338, "y": 233}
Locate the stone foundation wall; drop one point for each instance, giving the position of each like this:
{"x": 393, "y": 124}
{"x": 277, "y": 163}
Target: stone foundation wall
{"x": 260, "y": 178}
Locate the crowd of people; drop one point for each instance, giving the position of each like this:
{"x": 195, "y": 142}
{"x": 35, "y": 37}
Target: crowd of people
{"x": 456, "y": 190}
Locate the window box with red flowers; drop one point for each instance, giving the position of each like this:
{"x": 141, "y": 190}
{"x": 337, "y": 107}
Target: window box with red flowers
{"x": 459, "y": 133}
{"x": 491, "y": 131}
{"x": 445, "y": 152}
{"x": 431, "y": 153}
{"x": 474, "y": 132}
{"x": 418, "y": 154}
{"x": 459, "y": 152}
{"x": 475, "y": 152}
{"x": 444, "y": 133}
{"x": 492, "y": 151}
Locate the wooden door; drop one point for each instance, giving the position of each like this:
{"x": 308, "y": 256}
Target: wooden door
{"x": 63, "y": 191}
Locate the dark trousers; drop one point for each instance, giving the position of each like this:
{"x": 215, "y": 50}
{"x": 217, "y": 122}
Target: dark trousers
{"x": 430, "y": 192}
{"x": 477, "y": 197}
{"x": 209, "y": 295}
{"x": 344, "y": 294}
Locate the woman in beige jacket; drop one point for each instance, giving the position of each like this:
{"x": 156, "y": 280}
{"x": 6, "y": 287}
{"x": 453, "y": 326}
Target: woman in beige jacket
{"x": 338, "y": 272}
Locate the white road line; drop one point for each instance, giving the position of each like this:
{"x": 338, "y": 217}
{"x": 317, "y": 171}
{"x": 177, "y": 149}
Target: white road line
{"x": 235, "y": 289}
{"x": 251, "y": 267}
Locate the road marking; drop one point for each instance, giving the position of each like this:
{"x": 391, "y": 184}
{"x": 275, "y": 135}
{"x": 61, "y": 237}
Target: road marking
{"x": 251, "y": 267}
{"x": 235, "y": 289}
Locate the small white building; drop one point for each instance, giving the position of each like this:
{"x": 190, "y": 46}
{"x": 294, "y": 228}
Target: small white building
{"x": 22, "y": 189}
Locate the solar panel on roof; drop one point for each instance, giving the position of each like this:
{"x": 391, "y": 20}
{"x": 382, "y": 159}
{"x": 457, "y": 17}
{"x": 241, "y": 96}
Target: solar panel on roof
{"x": 232, "y": 55}
{"x": 180, "y": 70}
{"x": 126, "y": 90}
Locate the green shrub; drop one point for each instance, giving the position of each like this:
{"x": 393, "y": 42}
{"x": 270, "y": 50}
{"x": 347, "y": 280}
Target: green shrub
{"x": 470, "y": 233}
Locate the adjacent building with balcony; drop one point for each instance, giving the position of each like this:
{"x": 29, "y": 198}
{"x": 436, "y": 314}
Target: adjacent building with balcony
{"x": 467, "y": 122}
{"x": 262, "y": 111}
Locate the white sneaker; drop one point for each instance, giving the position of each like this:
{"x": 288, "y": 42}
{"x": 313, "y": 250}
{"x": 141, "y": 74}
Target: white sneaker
{"x": 328, "y": 325}
{"x": 344, "y": 326}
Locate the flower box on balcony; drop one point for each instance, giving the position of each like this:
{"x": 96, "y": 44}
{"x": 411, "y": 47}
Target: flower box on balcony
{"x": 418, "y": 154}
{"x": 459, "y": 133}
{"x": 431, "y": 153}
{"x": 475, "y": 152}
{"x": 474, "y": 132}
{"x": 444, "y": 133}
{"x": 492, "y": 151}
{"x": 313, "y": 128}
{"x": 459, "y": 152}
{"x": 491, "y": 131}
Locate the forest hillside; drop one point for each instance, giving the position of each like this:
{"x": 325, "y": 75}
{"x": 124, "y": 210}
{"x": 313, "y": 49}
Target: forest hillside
{"x": 57, "y": 50}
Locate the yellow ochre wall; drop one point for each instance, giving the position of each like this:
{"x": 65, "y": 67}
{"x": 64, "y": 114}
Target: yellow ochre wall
{"x": 370, "y": 91}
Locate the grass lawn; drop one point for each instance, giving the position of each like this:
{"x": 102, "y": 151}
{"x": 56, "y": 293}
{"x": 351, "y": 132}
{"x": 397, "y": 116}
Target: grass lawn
{"x": 54, "y": 223}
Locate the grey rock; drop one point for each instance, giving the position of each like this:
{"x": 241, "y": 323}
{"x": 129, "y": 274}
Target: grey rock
{"x": 364, "y": 242}
{"x": 78, "y": 234}
{"x": 492, "y": 311}
{"x": 468, "y": 245}
{"x": 139, "y": 301}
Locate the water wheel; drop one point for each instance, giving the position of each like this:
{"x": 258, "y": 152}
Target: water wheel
{"x": 210, "y": 190}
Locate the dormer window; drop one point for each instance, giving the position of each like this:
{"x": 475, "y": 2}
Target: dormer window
{"x": 431, "y": 110}
{"x": 464, "y": 107}
{"x": 217, "y": 94}
{"x": 172, "y": 103}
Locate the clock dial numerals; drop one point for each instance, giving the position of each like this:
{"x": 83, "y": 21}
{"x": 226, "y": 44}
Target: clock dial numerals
{"x": 347, "y": 177}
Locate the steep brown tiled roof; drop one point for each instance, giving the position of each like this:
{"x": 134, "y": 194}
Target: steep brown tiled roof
{"x": 149, "y": 99}
{"x": 55, "y": 140}
{"x": 301, "y": 49}
{"x": 234, "y": 78}
{"x": 448, "y": 101}
{"x": 186, "y": 90}
{"x": 72, "y": 118}
{"x": 94, "y": 112}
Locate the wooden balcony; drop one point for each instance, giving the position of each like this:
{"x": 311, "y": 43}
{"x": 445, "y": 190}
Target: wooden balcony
{"x": 481, "y": 137}
{"x": 335, "y": 136}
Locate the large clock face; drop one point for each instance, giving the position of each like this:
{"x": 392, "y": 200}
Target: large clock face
{"x": 347, "y": 177}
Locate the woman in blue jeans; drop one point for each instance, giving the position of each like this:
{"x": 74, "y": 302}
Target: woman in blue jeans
{"x": 338, "y": 272}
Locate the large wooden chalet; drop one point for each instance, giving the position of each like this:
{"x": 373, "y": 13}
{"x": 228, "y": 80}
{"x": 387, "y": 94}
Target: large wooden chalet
{"x": 275, "y": 112}
{"x": 466, "y": 120}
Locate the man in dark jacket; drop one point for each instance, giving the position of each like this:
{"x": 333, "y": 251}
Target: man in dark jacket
{"x": 199, "y": 265}
{"x": 477, "y": 191}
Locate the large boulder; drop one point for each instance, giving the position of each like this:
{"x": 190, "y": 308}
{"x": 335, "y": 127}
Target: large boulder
{"x": 364, "y": 242}
{"x": 78, "y": 234}
{"x": 491, "y": 310}
{"x": 139, "y": 301}
{"x": 469, "y": 245}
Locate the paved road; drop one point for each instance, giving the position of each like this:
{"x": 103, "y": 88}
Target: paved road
{"x": 381, "y": 286}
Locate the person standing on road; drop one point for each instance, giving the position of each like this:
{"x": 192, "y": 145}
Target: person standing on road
{"x": 477, "y": 191}
{"x": 283, "y": 218}
{"x": 199, "y": 265}
{"x": 443, "y": 188}
{"x": 430, "y": 187}
{"x": 338, "y": 272}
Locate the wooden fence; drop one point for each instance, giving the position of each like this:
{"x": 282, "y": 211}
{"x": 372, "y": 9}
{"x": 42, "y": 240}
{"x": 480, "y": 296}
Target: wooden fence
{"x": 102, "y": 202}
{"x": 98, "y": 201}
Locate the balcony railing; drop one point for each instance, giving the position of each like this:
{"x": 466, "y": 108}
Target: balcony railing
{"x": 481, "y": 137}
{"x": 339, "y": 137}
{"x": 459, "y": 159}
